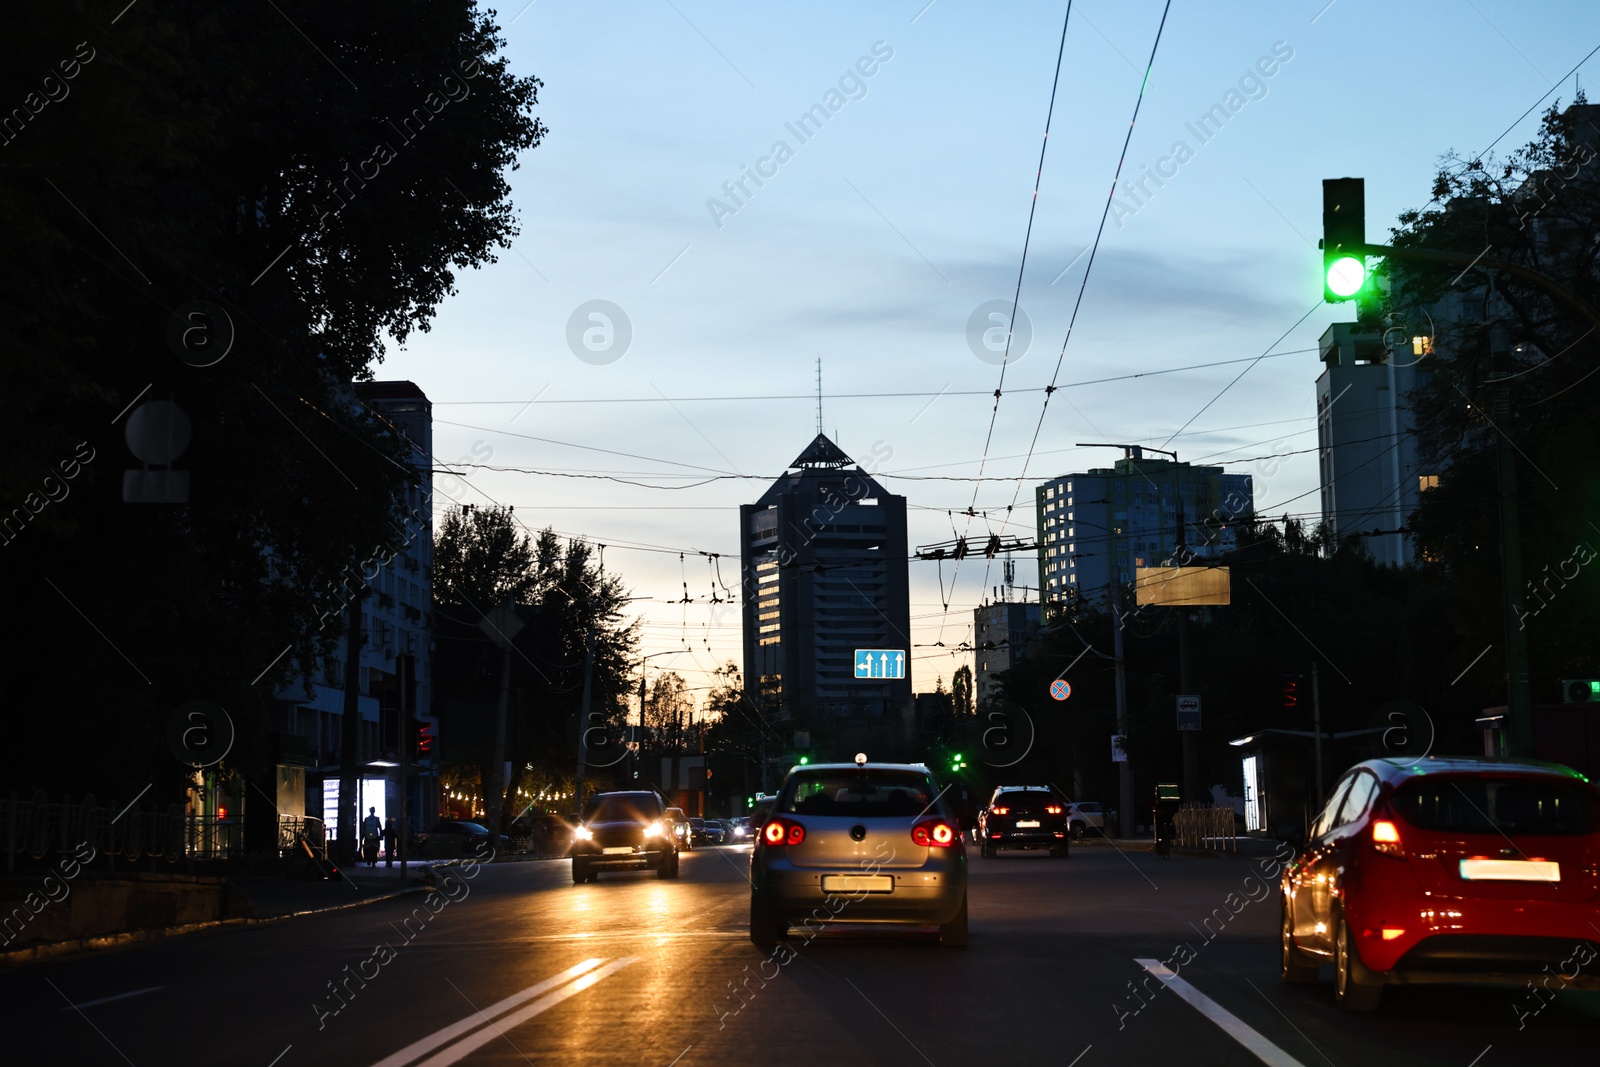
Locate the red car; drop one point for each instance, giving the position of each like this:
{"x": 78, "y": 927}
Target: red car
{"x": 1482, "y": 871}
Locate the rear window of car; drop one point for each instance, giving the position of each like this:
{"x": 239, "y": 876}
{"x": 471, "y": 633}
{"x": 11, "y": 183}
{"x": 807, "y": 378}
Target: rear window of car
{"x": 1030, "y": 802}
{"x": 860, "y": 794}
{"x": 1482, "y": 804}
{"x": 622, "y": 807}
{"x": 1089, "y": 807}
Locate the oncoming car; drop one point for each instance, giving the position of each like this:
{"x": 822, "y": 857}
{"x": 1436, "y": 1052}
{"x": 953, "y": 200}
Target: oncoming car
{"x": 1440, "y": 870}
{"x": 624, "y": 830}
{"x": 858, "y": 843}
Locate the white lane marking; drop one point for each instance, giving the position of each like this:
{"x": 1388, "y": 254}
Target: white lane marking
{"x": 467, "y": 1045}
{"x": 455, "y": 1030}
{"x": 1229, "y": 1023}
{"x": 119, "y": 996}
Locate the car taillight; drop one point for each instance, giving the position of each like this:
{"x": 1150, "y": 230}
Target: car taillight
{"x": 999, "y": 811}
{"x": 783, "y": 832}
{"x": 1052, "y": 809}
{"x": 1386, "y": 838}
{"x": 934, "y": 833}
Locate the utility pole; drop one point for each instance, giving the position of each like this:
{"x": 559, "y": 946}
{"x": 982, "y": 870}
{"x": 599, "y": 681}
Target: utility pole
{"x": 1125, "y": 781}
{"x": 1519, "y": 701}
{"x": 588, "y": 690}
{"x": 1316, "y": 733}
{"x": 502, "y": 625}
{"x": 349, "y": 732}
{"x": 1191, "y": 738}
{"x": 406, "y": 728}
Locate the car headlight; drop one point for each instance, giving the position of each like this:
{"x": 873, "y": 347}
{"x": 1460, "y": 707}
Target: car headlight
{"x": 655, "y": 829}
{"x": 583, "y": 833}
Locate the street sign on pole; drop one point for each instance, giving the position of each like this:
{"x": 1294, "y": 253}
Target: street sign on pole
{"x": 1188, "y": 712}
{"x": 1060, "y": 689}
{"x": 1118, "y": 753}
{"x": 880, "y": 663}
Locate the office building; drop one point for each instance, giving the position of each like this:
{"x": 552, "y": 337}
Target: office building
{"x": 824, "y": 576}
{"x": 1129, "y": 515}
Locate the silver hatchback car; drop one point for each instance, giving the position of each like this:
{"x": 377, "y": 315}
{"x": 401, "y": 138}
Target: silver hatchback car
{"x": 858, "y": 843}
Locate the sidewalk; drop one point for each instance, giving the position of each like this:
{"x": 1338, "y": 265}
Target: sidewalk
{"x": 1245, "y": 848}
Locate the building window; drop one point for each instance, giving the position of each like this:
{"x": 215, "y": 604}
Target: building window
{"x": 1426, "y": 482}
{"x": 1422, "y": 346}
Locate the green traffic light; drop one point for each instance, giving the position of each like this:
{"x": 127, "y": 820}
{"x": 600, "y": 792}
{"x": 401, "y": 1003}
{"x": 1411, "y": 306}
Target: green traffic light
{"x": 1346, "y": 275}
{"x": 804, "y": 760}
{"x": 956, "y": 757}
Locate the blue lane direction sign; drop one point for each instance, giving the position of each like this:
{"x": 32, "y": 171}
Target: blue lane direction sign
{"x": 880, "y": 663}
{"x": 1060, "y": 689}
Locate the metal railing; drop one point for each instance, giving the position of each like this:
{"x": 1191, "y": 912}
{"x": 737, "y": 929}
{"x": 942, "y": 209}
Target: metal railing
{"x": 34, "y": 830}
{"x": 1206, "y": 826}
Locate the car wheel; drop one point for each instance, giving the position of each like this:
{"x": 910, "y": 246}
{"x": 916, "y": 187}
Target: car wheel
{"x": 954, "y": 932}
{"x": 1294, "y": 966}
{"x": 1077, "y": 829}
{"x": 581, "y": 872}
{"x": 667, "y": 866}
{"x": 1354, "y": 987}
{"x": 766, "y": 928}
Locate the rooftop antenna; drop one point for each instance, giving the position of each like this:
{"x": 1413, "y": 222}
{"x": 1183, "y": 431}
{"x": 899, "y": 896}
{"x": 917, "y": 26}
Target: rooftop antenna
{"x": 819, "y": 396}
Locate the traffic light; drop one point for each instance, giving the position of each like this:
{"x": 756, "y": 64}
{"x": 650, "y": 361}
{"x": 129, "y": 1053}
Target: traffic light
{"x": 422, "y": 732}
{"x": 803, "y": 761}
{"x": 1344, "y": 213}
{"x": 1291, "y": 692}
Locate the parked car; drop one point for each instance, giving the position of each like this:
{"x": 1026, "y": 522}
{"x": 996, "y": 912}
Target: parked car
{"x": 1085, "y": 815}
{"x": 1024, "y": 816}
{"x": 450, "y": 838}
{"x": 865, "y": 842}
{"x": 624, "y": 830}
{"x": 1481, "y": 871}
{"x": 681, "y": 830}
{"x": 716, "y": 832}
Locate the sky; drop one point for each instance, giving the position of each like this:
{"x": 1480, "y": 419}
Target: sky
{"x": 884, "y": 224}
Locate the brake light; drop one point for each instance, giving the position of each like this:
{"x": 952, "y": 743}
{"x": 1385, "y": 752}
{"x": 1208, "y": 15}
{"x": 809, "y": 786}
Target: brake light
{"x": 779, "y": 831}
{"x": 1052, "y": 809}
{"x": 934, "y": 833}
{"x": 1386, "y": 838}
{"x": 999, "y": 811}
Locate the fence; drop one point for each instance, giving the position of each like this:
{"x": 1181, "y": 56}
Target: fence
{"x": 1206, "y": 826}
{"x": 31, "y": 830}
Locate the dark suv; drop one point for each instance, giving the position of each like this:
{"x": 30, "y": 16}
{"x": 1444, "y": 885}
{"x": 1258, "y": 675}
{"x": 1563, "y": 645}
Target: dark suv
{"x": 624, "y": 831}
{"x": 1024, "y": 816}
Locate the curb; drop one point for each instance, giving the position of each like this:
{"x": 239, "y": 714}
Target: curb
{"x": 53, "y": 949}
{"x": 1137, "y": 845}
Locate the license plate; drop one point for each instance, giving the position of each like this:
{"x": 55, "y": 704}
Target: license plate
{"x": 857, "y": 883}
{"x": 1484, "y": 870}
{"x": 1030, "y": 824}
{"x": 621, "y": 851}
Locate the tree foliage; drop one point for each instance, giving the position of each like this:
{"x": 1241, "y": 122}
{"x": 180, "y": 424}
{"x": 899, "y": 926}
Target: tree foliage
{"x": 188, "y": 152}
{"x": 1539, "y": 208}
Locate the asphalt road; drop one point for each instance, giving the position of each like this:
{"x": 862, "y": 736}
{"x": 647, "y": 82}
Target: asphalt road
{"x": 520, "y": 966}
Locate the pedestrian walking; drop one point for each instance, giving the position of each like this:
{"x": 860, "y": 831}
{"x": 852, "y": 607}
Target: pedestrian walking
{"x": 371, "y": 831}
{"x": 391, "y": 835}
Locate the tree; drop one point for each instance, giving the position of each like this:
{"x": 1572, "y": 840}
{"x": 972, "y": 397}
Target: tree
{"x": 669, "y": 708}
{"x": 230, "y": 157}
{"x": 560, "y": 596}
{"x": 961, "y": 692}
{"x": 481, "y": 558}
{"x": 1540, "y": 209}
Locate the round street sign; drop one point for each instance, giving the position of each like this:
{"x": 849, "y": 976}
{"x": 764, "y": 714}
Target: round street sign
{"x": 1059, "y": 689}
